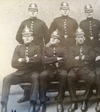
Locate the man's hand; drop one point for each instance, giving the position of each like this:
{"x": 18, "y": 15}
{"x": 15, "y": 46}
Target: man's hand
{"x": 35, "y": 55}
{"x": 27, "y": 59}
{"x": 91, "y": 38}
{"x": 59, "y": 58}
{"x": 77, "y": 57}
{"x": 22, "y": 60}
{"x": 82, "y": 57}
{"x": 97, "y": 58}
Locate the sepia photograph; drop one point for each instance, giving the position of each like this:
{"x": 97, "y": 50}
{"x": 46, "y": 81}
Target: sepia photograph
{"x": 49, "y": 56}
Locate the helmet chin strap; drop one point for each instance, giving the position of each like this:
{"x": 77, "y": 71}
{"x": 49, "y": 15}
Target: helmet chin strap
{"x": 27, "y": 43}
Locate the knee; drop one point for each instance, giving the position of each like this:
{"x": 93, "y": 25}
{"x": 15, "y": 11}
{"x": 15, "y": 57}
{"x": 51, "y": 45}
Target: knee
{"x": 92, "y": 77}
{"x": 97, "y": 72}
{"x": 64, "y": 74}
{"x": 71, "y": 75}
{"x": 7, "y": 79}
{"x": 35, "y": 76}
{"x": 43, "y": 75}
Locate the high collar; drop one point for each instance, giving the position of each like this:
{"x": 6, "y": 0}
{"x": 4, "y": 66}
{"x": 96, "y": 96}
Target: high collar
{"x": 29, "y": 44}
{"x": 65, "y": 17}
{"x": 52, "y": 46}
{"x": 34, "y": 18}
{"x": 81, "y": 44}
{"x": 89, "y": 19}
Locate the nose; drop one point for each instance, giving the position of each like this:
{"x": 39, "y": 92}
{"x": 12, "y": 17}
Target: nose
{"x": 26, "y": 39}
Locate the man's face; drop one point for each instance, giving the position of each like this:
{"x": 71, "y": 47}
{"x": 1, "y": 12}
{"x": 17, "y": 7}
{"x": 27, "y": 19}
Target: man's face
{"x": 80, "y": 39}
{"x": 33, "y": 13}
{"x": 27, "y": 39}
{"x": 89, "y": 14}
{"x": 54, "y": 40}
{"x": 65, "y": 12}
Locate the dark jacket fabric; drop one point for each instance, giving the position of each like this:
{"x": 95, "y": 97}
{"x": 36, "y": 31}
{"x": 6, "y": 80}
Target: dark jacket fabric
{"x": 69, "y": 28}
{"x": 97, "y": 53}
{"x": 40, "y": 31}
{"x": 75, "y": 51}
{"x": 34, "y": 54}
{"x": 49, "y": 57}
{"x": 91, "y": 27}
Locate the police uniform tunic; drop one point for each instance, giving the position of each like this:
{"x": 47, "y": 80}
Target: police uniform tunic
{"x": 39, "y": 29}
{"x": 26, "y": 72}
{"x": 81, "y": 70}
{"x": 91, "y": 28}
{"x": 54, "y": 70}
{"x": 66, "y": 27}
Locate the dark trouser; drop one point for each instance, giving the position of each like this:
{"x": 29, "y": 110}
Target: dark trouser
{"x": 81, "y": 74}
{"x": 27, "y": 91}
{"x": 46, "y": 77}
{"x": 97, "y": 72}
{"x": 13, "y": 79}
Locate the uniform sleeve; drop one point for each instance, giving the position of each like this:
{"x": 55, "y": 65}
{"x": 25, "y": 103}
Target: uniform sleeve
{"x": 48, "y": 59}
{"x": 19, "y": 33}
{"x": 64, "y": 61}
{"x": 53, "y": 26}
{"x": 15, "y": 63}
{"x": 90, "y": 55}
{"x": 96, "y": 52}
{"x": 81, "y": 25}
{"x": 72, "y": 62}
{"x": 46, "y": 33}
{"x": 37, "y": 56}
{"x": 75, "y": 25}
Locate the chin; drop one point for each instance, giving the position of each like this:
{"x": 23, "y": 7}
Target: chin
{"x": 65, "y": 15}
{"x": 81, "y": 43}
{"x": 33, "y": 16}
{"x": 89, "y": 17}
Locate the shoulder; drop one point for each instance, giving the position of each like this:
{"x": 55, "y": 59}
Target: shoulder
{"x": 61, "y": 47}
{"x": 35, "y": 46}
{"x": 72, "y": 19}
{"x": 96, "y": 20}
{"x": 26, "y": 20}
{"x": 88, "y": 47}
{"x": 18, "y": 47}
{"x": 57, "y": 18}
{"x": 40, "y": 21}
{"x": 83, "y": 21}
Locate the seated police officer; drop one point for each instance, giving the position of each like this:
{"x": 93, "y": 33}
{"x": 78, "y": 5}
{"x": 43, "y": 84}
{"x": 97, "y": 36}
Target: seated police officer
{"x": 97, "y": 72}
{"x": 54, "y": 58}
{"x": 40, "y": 34}
{"x": 81, "y": 57}
{"x": 26, "y": 59}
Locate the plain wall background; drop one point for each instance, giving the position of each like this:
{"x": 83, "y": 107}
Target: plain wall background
{"x": 13, "y": 12}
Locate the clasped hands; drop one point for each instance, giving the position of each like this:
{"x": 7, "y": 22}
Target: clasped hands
{"x": 82, "y": 57}
{"x": 26, "y": 59}
{"x": 23, "y": 59}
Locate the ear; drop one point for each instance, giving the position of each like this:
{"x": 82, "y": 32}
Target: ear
{"x": 76, "y": 38}
{"x": 22, "y": 37}
{"x": 58, "y": 40}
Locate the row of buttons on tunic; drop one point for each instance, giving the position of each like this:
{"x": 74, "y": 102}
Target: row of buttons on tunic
{"x": 81, "y": 51}
{"x": 26, "y": 52}
{"x": 32, "y": 25}
{"x": 90, "y": 30}
{"x": 65, "y": 28}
